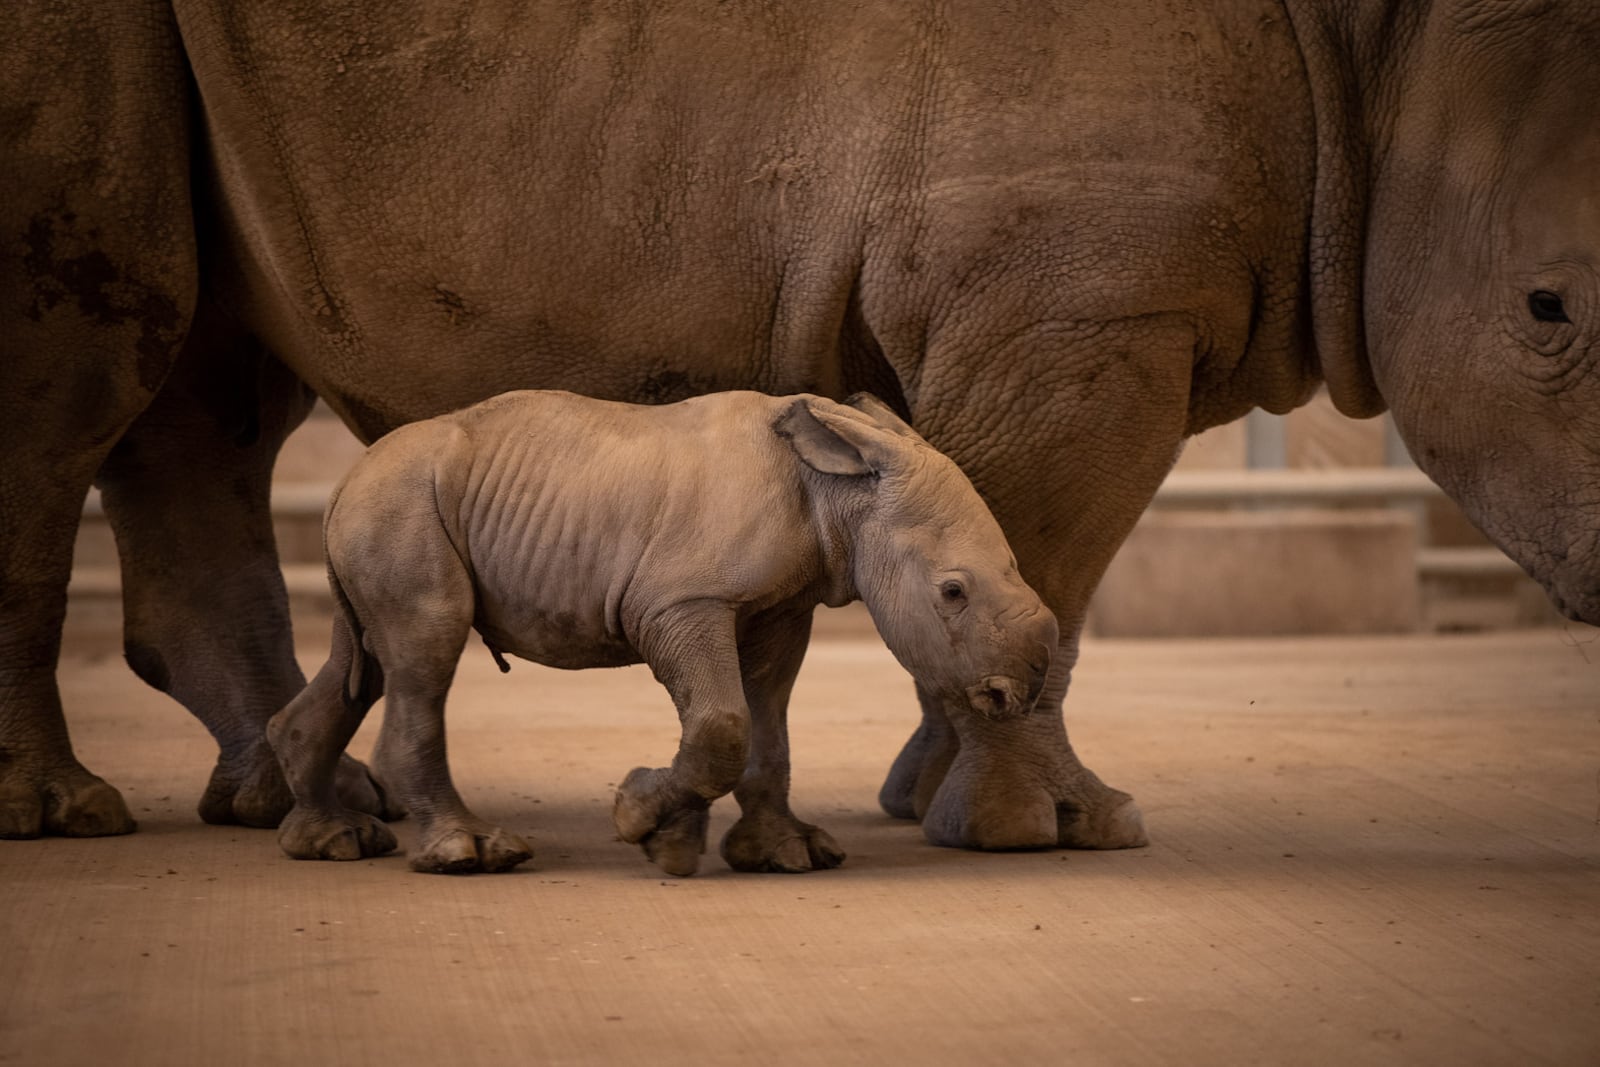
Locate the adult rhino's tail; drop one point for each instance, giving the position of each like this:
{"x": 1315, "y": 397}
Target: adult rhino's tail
{"x": 364, "y": 678}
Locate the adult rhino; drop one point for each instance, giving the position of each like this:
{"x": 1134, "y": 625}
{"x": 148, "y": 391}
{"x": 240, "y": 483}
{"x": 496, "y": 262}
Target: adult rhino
{"x": 1060, "y": 237}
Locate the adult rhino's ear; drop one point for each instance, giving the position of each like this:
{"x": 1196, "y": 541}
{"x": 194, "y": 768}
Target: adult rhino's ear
{"x": 834, "y": 443}
{"x": 882, "y": 413}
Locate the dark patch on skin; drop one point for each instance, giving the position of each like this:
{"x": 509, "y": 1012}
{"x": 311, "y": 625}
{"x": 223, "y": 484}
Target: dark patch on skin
{"x": 100, "y": 291}
{"x": 455, "y": 309}
{"x": 670, "y": 386}
{"x": 148, "y": 664}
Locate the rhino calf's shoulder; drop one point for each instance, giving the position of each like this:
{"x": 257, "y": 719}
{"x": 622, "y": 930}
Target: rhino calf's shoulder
{"x": 696, "y": 537}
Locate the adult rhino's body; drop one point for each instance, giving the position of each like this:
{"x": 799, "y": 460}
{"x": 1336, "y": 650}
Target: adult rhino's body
{"x": 1063, "y": 236}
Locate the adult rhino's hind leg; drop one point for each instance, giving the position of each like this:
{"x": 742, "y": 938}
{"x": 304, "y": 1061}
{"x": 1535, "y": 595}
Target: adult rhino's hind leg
{"x": 922, "y": 763}
{"x": 96, "y": 288}
{"x": 206, "y": 615}
{"x": 768, "y": 836}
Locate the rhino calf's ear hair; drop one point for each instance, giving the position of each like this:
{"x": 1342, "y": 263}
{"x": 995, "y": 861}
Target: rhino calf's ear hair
{"x": 819, "y": 447}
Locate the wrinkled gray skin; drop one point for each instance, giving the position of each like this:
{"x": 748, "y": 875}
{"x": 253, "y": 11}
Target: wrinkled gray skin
{"x": 1058, "y": 237}
{"x": 696, "y": 537}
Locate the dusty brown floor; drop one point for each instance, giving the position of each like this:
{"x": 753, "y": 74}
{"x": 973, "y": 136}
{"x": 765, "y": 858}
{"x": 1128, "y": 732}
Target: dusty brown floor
{"x": 1367, "y": 851}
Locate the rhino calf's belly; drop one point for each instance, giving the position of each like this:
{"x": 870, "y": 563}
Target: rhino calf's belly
{"x": 566, "y": 639}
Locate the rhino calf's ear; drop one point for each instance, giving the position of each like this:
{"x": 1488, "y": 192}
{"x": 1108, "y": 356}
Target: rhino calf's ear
{"x": 882, "y": 413}
{"x": 818, "y": 446}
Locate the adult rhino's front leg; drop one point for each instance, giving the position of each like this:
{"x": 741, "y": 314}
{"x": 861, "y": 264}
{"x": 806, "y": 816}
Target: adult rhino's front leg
{"x": 206, "y": 613}
{"x": 1067, "y": 467}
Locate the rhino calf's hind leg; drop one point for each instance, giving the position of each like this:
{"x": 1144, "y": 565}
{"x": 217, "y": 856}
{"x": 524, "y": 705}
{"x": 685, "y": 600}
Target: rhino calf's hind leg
{"x": 411, "y": 594}
{"x": 665, "y": 810}
{"x": 308, "y": 738}
{"x": 768, "y": 836}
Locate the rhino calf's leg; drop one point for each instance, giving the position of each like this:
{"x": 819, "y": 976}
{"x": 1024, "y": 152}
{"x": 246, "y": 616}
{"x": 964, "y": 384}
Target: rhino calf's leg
{"x": 665, "y": 810}
{"x": 450, "y": 838}
{"x": 768, "y": 836}
{"x": 415, "y": 627}
{"x": 308, "y": 737}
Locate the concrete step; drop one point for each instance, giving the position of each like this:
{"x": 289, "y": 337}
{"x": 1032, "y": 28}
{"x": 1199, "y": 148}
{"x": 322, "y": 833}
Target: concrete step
{"x": 1348, "y": 487}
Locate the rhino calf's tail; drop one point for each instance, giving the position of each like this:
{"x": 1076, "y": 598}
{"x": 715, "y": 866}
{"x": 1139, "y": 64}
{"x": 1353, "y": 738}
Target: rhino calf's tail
{"x": 364, "y": 679}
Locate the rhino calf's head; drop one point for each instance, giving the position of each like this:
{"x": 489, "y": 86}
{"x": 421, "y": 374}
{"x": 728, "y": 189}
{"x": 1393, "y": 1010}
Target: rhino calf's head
{"x": 925, "y": 554}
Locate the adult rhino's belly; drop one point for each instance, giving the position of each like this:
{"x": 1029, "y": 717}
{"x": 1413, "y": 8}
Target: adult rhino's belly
{"x": 401, "y": 376}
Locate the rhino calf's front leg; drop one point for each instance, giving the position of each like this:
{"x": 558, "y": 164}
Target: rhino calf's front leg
{"x": 768, "y": 835}
{"x": 665, "y": 810}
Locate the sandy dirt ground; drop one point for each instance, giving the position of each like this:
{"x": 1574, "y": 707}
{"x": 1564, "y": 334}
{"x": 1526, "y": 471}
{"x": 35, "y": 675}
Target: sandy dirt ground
{"x": 1366, "y": 851}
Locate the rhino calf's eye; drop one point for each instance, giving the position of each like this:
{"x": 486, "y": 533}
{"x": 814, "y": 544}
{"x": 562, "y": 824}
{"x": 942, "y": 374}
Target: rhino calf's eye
{"x": 952, "y": 592}
{"x": 1546, "y": 306}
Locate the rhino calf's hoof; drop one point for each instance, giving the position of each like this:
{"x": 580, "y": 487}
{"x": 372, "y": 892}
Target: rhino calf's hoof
{"x": 361, "y": 790}
{"x": 677, "y": 844}
{"x": 669, "y": 823}
{"x": 350, "y": 835}
{"x": 775, "y": 844}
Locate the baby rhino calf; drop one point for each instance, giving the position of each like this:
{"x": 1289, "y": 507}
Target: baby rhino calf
{"x": 696, "y": 537}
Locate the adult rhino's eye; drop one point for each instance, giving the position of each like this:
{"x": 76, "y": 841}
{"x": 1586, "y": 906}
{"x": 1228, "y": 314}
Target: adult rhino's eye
{"x": 1546, "y": 306}
{"x": 952, "y": 592}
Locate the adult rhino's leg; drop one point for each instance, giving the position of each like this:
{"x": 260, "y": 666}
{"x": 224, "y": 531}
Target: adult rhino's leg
{"x": 96, "y": 288}
{"x": 206, "y": 615}
{"x": 768, "y": 836}
{"x": 919, "y": 769}
{"x": 1067, "y": 447}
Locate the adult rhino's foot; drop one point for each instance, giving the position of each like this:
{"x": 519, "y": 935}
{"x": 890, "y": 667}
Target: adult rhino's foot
{"x": 67, "y": 801}
{"x": 665, "y": 820}
{"x": 919, "y": 769}
{"x": 777, "y": 841}
{"x": 251, "y": 791}
{"x": 342, "y": 835}
{"x": 469, "y": 847}
{"x": 1018, "y": 785}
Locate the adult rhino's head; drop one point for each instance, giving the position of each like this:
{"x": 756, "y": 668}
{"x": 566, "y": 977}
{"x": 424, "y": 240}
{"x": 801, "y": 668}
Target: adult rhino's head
{"x": 926, "y": 555}
{"x": 1460, "y": 152}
